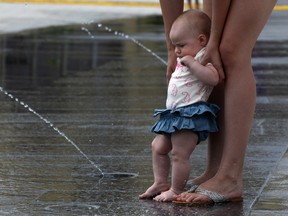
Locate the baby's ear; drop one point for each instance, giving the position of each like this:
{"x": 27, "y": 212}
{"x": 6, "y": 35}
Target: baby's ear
{"x": 203, "y": 39}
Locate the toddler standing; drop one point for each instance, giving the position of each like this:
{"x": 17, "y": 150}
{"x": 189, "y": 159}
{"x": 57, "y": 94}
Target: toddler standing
{"x": 188, "y": 118}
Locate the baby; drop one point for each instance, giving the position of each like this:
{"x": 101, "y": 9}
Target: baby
{"x": 188, "y": 118}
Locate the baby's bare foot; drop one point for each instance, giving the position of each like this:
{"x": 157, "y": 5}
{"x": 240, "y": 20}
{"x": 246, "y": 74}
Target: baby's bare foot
{"x": 153, "y": 191}
{"x": 166, "y": 196}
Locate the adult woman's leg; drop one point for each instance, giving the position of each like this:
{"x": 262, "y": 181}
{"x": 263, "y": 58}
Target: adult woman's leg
{"x": 243, "y": 25}
{"x": 216, "y": 140}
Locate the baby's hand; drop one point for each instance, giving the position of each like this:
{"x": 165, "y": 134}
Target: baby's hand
{"x": 187, "y": 60}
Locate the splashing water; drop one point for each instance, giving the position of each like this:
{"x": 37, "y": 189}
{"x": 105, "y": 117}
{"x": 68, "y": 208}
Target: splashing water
{"x": 88, "y": 32}
{"x": 50, "y": 124}
{"x": 106, "y": 28}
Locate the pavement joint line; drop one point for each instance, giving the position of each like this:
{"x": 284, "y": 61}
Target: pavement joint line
{"x": 108, "y": 3}
{"x": 268, "y": 178}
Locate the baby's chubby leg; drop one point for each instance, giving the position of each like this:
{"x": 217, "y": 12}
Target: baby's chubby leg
{"x": 161, "y": 146}
{"x": 183, "y": 144}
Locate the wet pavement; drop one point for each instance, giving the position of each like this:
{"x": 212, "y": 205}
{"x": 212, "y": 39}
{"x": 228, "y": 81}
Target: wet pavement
{"x": 77, "y": 102}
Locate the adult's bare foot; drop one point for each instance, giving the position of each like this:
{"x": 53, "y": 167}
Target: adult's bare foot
{"x": 193, "y": 184}
{"x": 225, "y": 188}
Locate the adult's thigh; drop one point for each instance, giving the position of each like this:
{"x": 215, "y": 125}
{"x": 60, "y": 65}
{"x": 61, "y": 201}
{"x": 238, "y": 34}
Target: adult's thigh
{"x": 207, "y": 7}
{"x": 244, "y": 23}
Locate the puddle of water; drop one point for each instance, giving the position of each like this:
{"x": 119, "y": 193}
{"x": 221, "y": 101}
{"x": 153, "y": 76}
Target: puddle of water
{"x": 119, "y": 175}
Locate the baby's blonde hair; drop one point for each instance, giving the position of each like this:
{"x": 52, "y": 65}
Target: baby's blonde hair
{"x": 197, "y": 22}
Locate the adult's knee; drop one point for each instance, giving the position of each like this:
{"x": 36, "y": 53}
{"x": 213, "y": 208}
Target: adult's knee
{"x": 228, "y": 53}
{"x": 234, "y": 54}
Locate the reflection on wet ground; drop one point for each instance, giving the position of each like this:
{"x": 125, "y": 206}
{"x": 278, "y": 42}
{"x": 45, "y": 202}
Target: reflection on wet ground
{"x": 100, "y": 90}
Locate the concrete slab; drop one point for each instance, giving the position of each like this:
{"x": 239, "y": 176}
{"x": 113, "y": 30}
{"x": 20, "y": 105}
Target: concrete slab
{"x": 273, "y": 199}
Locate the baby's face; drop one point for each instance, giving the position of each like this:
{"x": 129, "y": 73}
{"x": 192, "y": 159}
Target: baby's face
{"x": 184, "y": 42}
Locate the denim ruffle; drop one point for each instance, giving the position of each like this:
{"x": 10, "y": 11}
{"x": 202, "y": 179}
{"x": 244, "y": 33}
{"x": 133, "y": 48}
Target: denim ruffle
{"x": 199, "y": 117}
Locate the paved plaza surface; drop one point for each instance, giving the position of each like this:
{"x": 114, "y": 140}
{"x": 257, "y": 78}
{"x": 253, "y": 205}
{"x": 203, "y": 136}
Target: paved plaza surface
{"x": 77, "y": 93}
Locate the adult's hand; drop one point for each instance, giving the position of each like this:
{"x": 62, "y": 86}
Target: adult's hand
{"x": 212, "y": 55}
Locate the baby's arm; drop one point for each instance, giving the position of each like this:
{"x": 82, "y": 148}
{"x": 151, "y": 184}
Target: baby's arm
{"x": 207, "y": 74}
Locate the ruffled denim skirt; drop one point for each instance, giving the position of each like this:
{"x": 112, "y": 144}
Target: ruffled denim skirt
{"x": 199, "y": 117}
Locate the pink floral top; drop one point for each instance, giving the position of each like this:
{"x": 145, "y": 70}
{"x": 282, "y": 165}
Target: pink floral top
{"x": 184, "y": 88}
